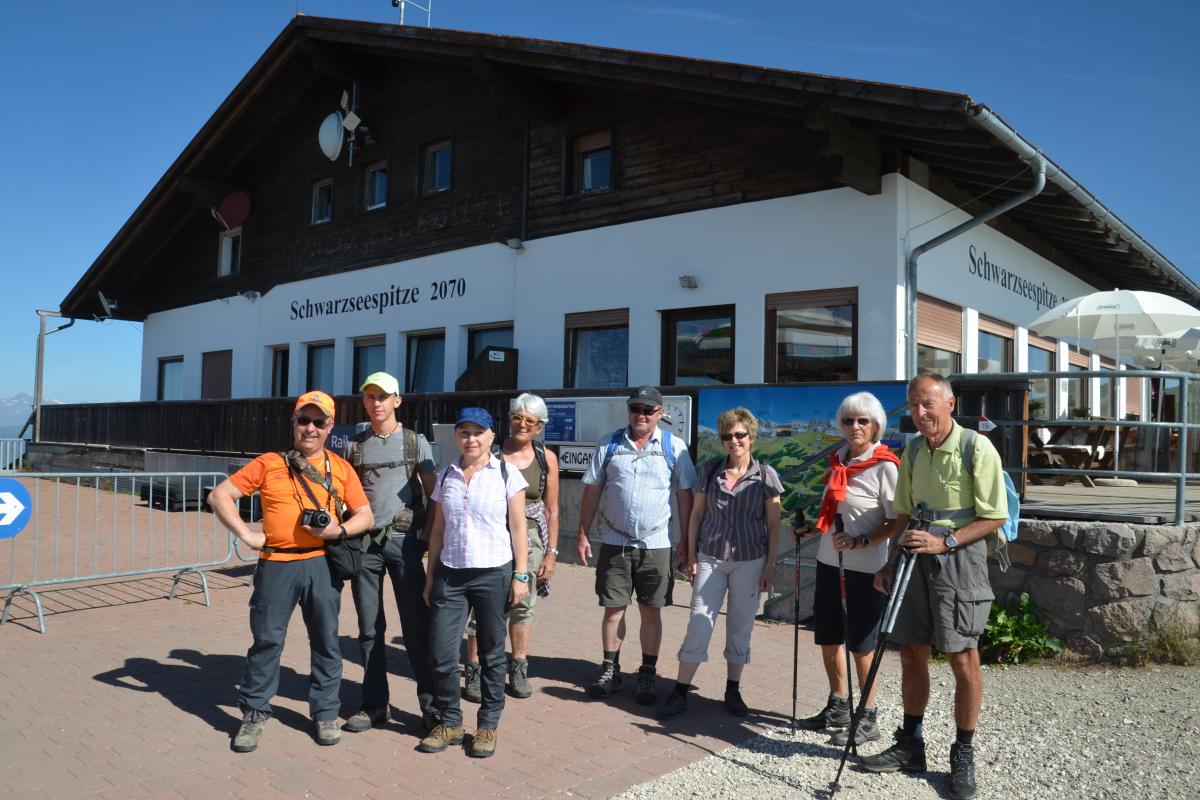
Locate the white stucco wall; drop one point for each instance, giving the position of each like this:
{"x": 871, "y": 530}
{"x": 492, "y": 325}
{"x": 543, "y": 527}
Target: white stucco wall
{"x": 738, "y": 254}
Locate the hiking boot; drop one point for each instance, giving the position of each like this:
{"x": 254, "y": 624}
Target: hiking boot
{"x": 440, "y": 738}
{"x": 366, "y": 719}
{"x": 835, "y": 714}
{"x": 867, "y": 731}
{"x": 430, "y": 719}
{"x": 518, "y": 677}
{"x": 962, "y": 771}
{"x": 907, "y": 754}
{"x": 608, "y": 682}
{"x": 246, "y": 739}
{"x": 471, "y": 690}
{"x": 673, "y": 706}
{"x": 734, "y": 703}
{"x": 645, "y": 694}
{"x": 483, "y": 743}
{"x": 327, "y": 732}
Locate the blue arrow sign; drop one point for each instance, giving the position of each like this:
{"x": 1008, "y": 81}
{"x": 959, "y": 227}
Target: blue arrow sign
{"x": 15, "y": 507}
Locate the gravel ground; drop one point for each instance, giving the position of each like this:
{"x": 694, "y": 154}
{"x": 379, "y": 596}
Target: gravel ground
{"x": 1045, "y": 732}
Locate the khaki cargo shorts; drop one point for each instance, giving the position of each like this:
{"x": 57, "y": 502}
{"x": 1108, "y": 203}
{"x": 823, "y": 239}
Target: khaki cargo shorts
{"x": 947, "y": 604}
{"x": 623, "y": 571}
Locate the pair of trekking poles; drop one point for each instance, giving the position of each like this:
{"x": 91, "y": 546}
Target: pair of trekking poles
{"x": 905, "y": 561}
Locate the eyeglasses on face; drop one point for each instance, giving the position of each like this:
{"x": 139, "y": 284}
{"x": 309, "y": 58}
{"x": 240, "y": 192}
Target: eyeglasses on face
{"x": 862, "y": 421}
{"x": 739, "y": 435}
{"x": 524, "y": 421}
{"x": 317, "y": 422}
{"x": 646, "y": 411}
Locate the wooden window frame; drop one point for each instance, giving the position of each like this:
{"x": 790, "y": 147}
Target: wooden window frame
{"x": 816, "y": 298}
{"x": 425, "y": 174}
{"x": 363, "y": 341}
{"x": 576, "y": 149}
{"x": 162, "y": 362}
{"x": 229, "y": 261}
{"x": 612, "y": 318}
{"x": 412, "y": 343}
{"x": 673, "y": 316}
{"x": 368, "y": 185}
{"x": 316, "y": 193}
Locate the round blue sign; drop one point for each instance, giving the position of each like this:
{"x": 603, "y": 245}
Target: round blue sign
{"x": 15, "y": 508}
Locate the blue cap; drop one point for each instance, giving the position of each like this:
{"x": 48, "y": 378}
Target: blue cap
{"x": 479, "y": 416}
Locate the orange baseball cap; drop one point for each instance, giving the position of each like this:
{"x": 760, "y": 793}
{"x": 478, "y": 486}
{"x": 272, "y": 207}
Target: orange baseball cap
{"x": 318, "y": 399}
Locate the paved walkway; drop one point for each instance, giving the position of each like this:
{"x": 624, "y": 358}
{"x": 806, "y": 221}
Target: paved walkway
{"x": 129, "y": 695}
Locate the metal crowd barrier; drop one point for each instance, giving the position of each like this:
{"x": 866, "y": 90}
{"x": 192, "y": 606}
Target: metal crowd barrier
{"x": 88, "y": 526}
{"x": 12, "y": 454}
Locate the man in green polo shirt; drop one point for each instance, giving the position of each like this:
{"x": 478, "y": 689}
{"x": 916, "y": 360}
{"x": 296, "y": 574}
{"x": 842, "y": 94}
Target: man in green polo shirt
{"x": 949, "y": 596}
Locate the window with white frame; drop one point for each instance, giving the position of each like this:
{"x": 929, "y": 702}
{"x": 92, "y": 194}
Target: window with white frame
{"x": 322, "y": 201}
{"x": 436, "y": 163}
{"x": 376, "y": 186}
{"x": 229, "y": 259}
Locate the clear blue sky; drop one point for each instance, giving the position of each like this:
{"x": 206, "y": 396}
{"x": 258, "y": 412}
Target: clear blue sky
{"x": 102, "y": 96}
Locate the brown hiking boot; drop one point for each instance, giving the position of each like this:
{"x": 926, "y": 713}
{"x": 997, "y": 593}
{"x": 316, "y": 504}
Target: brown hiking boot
{"x": 483, "y": 743}
{"x": 366, "y": 719}
{"x": 440, "y": 738}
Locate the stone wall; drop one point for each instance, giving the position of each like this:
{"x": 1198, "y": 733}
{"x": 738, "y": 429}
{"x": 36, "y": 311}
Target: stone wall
{"x": 1101, "y": 585}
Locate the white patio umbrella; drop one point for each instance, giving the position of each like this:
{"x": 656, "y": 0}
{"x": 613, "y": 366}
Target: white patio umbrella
{"x": 1117, "y": 314}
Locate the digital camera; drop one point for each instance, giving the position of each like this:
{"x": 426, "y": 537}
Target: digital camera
{"x": 315, "y": 518}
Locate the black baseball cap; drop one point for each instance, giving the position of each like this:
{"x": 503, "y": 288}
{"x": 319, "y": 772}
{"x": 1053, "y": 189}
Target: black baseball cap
{"x": 646, "y": 395}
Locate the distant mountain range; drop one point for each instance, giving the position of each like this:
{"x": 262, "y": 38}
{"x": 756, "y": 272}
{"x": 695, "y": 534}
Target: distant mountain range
{"x": 15, "y": 410}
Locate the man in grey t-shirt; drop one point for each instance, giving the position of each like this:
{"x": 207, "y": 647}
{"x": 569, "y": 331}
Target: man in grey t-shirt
{"x": 398, "y": 473}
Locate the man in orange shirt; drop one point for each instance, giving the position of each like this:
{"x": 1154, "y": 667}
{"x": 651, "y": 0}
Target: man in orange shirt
{"x": 292, "y": 569}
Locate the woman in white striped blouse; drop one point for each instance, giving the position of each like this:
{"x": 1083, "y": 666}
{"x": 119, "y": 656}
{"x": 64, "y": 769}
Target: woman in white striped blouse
{"x": 477, "y": 561}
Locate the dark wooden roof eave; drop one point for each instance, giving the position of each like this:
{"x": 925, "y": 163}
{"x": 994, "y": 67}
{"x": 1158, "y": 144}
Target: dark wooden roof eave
{"x": 931, "y": 124}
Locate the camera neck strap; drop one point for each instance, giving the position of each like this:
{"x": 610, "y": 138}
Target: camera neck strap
{"x": 299, "y": 474}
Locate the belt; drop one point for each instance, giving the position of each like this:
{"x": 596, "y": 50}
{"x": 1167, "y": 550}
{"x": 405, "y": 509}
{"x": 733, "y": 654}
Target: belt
{"x": 290, "y": 550}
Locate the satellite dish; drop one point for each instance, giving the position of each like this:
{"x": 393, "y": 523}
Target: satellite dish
{"x": 108, "y": 305}
{"x": 330, "y": 136}
{"x": 234, "y": 209}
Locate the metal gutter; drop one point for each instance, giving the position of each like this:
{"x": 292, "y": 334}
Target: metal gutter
{"x": 983, "y": 117}
{"x": 1038, "y": 165}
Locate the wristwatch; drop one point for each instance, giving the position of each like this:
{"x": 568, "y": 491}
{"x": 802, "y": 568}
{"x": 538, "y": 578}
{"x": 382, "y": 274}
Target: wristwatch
{"x": 523, "y": 577}
{"x": 865, "y": 540}
{"x": 951, "y": 543}
{"x": 552, "y": 551}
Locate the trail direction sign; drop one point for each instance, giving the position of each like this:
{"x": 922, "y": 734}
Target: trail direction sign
{"x": 15, "y": 508}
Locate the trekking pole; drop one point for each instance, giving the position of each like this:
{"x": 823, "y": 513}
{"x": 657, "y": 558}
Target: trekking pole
{"x": 839, "y": 526}
{"x": 905, "y": 562}
{"x": 796, "y": 616}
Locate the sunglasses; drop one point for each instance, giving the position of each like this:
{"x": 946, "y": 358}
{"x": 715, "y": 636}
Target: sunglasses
{"x": 647, "y": 411}
{"x": 739, "y": 435}
{"x": 863, "y": 421}
{"x": 319, "y": 423}
{"x": 520, "y": 419}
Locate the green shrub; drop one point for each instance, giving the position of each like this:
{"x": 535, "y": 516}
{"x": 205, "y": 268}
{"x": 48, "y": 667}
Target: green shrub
{"x": 1015, "y": 634}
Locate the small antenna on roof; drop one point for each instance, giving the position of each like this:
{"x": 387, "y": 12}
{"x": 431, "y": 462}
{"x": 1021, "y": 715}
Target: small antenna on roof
{"x": 427, "y": 8}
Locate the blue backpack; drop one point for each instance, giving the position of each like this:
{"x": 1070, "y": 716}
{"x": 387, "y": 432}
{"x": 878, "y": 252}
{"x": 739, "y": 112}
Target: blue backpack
{"x": 614, "y": 441}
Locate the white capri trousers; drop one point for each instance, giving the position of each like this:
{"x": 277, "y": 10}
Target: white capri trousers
{"x": 713, "y": 580}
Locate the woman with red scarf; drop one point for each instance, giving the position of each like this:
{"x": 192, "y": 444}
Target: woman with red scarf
{"x": 859, "y": 487}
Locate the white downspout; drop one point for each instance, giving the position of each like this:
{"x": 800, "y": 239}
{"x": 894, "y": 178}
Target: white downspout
{"x": 1038, "y": 165}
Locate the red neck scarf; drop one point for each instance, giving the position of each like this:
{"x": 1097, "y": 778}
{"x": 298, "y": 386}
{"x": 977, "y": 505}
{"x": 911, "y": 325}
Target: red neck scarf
{"x": 838, "y": 477}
